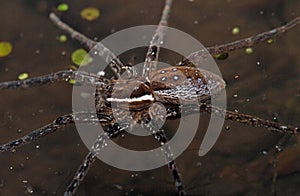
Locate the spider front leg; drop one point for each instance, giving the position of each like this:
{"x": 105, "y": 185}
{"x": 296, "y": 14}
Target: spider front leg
{"x": 157, "y": 39}
{"x": 111, "y": 59}
{"x": 60, "y": 76}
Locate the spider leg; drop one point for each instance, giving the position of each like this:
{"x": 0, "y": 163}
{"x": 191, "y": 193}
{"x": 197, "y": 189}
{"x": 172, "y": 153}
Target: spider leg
{"x": 150, "y": 121}
{"x": 241, "y": 44}
{"x": 65, "y": 76}
{"x": 157, "y": 39}
{"x": 115, "y": 64}
{"x": 59, "y": 123}
{"x": 175, "y": 112}
{"x": 161, "y": 137}
{"x": 112, "y": 131}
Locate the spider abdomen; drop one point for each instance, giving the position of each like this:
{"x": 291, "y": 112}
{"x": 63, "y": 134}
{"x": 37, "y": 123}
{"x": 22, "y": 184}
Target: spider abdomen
{"x": 174, "y": 85}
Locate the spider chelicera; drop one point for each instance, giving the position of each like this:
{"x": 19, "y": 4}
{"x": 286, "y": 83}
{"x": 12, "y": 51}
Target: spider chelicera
{"x": 61, "y": 121}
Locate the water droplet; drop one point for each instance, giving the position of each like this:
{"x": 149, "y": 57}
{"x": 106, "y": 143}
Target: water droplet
{"x": 164, "y": 78}
{"x": 275, "y": 117}
{"x": 37, "y": 146}
{"x": 278, "y": 148}
{"x": 264, "y": 152}
{"x": 196, "y": 22}
{"x": 236, "y": 77}
{"x": 29, "y": 189}
{"x": 176, "y": 77}
{"x": 101, "y": 73}
{"x": 235, "y": 95}
{"x": 227, "y": 127}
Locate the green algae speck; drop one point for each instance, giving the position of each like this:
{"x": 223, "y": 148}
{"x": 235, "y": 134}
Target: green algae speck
{"x": 62, "y": 38}
{"x": 270, "y": 41}
{"x": 62, "y": 7}
{"x": 72, "y": 81}
{"x": 222, "y": 56}
{"x": 5, "y": 48}
{"x": 80, "y": 57}
{"x": 90, "y": 13}
{"x": 249, "y": 50}
{"x": 235, "y": 31}
{"x": 23, "y": 76}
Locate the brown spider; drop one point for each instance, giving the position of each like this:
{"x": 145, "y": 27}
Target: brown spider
{"x": 115, "y": 182}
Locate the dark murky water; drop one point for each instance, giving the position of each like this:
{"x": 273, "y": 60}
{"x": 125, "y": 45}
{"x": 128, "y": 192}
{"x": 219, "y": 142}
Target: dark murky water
{"x": 268, "y": 85}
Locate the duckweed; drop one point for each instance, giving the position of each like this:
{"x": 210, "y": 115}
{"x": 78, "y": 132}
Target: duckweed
{"x": 270, "y": 41}
{"x": 222, "y": 56}
{"x": 72, "y": 81}
{"x": 90, "y": 13}
{"x": 62, "y": 7}
{"x": 62, "y": 38}
{"x": 235, "y": 31}
{"x": 23, "y": 76}
{"x": 80, "y": 57}
{"x": 5, "y": 48}
{"x": 249, "y": 50}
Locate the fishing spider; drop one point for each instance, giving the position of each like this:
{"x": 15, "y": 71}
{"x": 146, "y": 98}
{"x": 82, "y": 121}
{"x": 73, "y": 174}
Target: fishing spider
{"x": 234, "y": 116}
